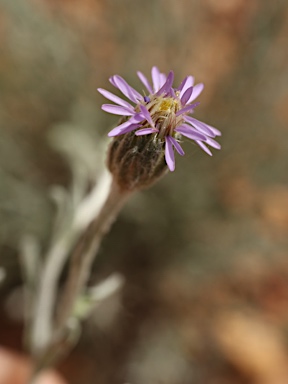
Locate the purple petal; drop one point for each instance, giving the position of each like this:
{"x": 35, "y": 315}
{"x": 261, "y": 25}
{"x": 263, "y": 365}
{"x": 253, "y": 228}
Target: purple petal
{"x": 213, "y": 143}
{"x": 119, "y": 79}
{"x": 186, "y": 95}
{"x": 215, "y": 130}
{"x": 187, "y": 108}
{"x": 111, "y": 79}
{"x": 147, "y": 116}
{"x": 120, "y": 131}
{"x": 203, "y": 146}
{"x": 136, "y": 118}
{"x": 112, "y": 97}
{"x": 167, "y": 85}
{"x": 155, "y": 73}
{"x": 122, "y": 126}
{"x": 145, "y": 81}
{"x": 117, "y": 110}
{"x": 187, "y": 84}
{"x": 163, "y": 78}
{"x": 169, "y": 154}
{"x": 172, "y": 93}
{"x": 190, "y": 133}
{"x": 126, "y": 89}
{"x": 200, "y": 126}
{"x": 182, "y": 84}
{"x": 176, "y": 145}
{"x": 198, "y": 88}
{"x": 146, "y": 131}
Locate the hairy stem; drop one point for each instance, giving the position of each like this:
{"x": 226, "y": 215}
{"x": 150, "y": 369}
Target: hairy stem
{"x": 85, "y": 252}
{"x": 42, "y": 325}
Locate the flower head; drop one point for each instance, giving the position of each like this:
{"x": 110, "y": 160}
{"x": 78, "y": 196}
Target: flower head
{"x": 164, "y": 113}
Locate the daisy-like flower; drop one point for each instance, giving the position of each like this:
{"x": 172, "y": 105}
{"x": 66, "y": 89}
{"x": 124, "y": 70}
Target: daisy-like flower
{"x": 164, "y": 112}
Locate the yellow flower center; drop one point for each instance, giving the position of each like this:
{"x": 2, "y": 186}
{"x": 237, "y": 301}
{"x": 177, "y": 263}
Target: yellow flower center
{"x": 163, "y": 113}
{"x": 168, "y": 105}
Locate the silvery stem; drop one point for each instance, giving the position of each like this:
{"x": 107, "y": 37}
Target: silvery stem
{"x": 85, "y": 252}
{"x": 80, "y": 244}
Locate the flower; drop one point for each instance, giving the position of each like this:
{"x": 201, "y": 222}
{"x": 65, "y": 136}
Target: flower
{"x": 163, "y": 112}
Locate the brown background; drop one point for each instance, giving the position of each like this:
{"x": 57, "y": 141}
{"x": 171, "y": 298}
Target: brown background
{"x": 203, "y": 252}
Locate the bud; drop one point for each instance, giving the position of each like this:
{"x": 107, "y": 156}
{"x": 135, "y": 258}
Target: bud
{"x": 136, "y": 162}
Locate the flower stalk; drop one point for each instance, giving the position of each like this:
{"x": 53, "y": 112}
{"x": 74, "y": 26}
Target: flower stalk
{"x": 142, "y": 151}
{"x": 49, "y": 331}
{"x": 85, "y": 252}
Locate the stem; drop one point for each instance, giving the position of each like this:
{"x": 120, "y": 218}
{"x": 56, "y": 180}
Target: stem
{"x": 47, "y": 287}
{"x": 41, "y": 332}
{"x": 84, "y": 254}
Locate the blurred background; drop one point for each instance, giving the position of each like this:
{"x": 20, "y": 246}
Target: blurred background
{"x": 203, "y": 252}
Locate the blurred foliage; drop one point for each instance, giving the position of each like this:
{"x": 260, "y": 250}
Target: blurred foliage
{"x": 204, "y": 252}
